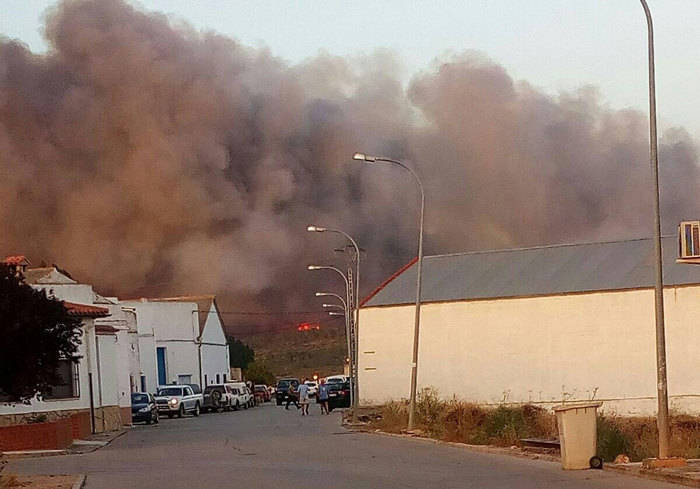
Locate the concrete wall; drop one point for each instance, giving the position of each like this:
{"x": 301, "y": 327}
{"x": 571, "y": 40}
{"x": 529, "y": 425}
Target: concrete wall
{"x": 215, "y": 355}
{"x": 174, "y": 326}
{"x": 539, "y": 349}
{"x": 87, "y": 364}
{"x": 78, "y": 293}
{"x": 109, "y": 371}
{"x": 147, "y": 361}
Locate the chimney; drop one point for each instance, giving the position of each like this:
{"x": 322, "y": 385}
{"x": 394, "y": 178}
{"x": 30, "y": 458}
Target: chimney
{"x": 18, "y": 263}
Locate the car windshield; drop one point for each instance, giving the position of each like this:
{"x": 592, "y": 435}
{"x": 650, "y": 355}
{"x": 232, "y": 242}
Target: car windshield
{"x": 170, "y": 391}
{"x": 139, "y": 398}
{"x": 260, "y": 388}
{"x": 282, "y": 384}
{"x": 211, "y": 388}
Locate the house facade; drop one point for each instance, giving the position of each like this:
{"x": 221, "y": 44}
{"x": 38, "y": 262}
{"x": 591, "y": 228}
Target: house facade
{"x": 187, "y": 337}
{"x": 90, "y": 395}
{"x": 540, "y": 325}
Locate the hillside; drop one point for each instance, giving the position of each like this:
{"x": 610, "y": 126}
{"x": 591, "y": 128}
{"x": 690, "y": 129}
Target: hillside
{"x": 301, "y": 353}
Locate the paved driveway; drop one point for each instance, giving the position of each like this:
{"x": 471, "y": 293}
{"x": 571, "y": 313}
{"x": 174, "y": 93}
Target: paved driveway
{"x": 269, "y": 447}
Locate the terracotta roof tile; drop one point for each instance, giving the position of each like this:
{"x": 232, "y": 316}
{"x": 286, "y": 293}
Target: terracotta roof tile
{"x": 85, "y": 310}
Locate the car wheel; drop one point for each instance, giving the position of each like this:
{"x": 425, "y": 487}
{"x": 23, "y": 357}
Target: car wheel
{"x": 181, "y": 411}
{"x": 148, "y": 421}
{"x": 279, "y": 403}
{"x": 170, "y": 415}
{"x": 245, "y": 405}
{"x": 196, "y": 410}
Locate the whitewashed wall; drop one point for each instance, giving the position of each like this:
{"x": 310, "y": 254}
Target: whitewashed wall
{"x": 87, "y": 364}
{"x": 173, "y": 325}
{"x": 540, "y": 349}
{"x": 108, "y": 372}
{"x": 215, "y": 355}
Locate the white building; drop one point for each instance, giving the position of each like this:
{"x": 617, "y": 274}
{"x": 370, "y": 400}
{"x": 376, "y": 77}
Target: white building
{"x": 181, "y": 340}
{"x": 537, "y": 325}
{"x": 92, "y": 381}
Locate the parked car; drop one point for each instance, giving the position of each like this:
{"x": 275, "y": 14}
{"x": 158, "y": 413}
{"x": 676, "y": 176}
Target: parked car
{"x": 338, "y": 395}
{"x": 245, "y": 399}
{"x": 282, "y": 394}
{"x": 336, "y": 379}
{"x": 143, "y": 407}
{"x": 237, "y": 397}
{"x": 216, "y": 397}
{"x": 178, "y": 400}
{"x": 313, "y": 387}
{"x": 195, "y": 388}
{"x": 262, "y": 392}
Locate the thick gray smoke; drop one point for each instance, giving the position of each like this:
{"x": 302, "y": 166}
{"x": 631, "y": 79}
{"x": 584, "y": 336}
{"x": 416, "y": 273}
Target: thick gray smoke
{"x": 148, "y": 158}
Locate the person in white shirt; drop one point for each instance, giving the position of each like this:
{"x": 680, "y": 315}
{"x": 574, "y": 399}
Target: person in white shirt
{"x": 303, "y": 390}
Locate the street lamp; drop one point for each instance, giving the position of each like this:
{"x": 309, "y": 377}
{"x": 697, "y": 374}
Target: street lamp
{"x": 661, "y": 379}
{"x": 416, "y": 327}
{"x": 319, "y": 229}
{"x": 347, "y": 306}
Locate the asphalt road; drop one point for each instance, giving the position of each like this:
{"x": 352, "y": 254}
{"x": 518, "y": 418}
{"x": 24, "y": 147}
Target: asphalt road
{"x": 268, "y": 447}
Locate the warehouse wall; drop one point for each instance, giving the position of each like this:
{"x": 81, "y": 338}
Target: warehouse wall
{"x": 537, "y": 349}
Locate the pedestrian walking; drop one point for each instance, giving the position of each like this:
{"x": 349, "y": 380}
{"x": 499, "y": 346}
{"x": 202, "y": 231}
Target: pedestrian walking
{"x": 291, "y": 396}
{"x": 304, "y": 397}
{"x": 323, "y": 396}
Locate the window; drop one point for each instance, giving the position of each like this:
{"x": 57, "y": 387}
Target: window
{"x": 69, "y": 383}
{"x": 217, "y": 378}
{"x": 224, "y": 378}
{"x": 206, "y": 380}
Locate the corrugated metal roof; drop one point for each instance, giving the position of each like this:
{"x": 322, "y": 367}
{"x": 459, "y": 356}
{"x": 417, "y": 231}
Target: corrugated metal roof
{"x": 543, "y": 270}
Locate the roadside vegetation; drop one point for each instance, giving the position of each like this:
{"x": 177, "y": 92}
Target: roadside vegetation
{"x": 458, "y": 421}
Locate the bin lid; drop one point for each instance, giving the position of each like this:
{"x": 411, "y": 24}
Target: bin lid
{"x": 578, "y": 405}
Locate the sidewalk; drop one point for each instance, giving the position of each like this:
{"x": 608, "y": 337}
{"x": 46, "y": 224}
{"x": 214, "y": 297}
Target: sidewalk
{"x": 687, "y": 476}
{"x": 90, "y": 444}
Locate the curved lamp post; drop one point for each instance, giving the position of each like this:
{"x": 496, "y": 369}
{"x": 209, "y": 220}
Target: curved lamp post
{"x": 416, "y": 327}
{"x": 661, "y": 379}
{"x": 319, "y": 229}
{"x": 348, "y": 310}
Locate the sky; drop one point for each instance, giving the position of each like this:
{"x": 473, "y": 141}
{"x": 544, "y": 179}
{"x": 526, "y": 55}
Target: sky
{"x": 556, "y": 45}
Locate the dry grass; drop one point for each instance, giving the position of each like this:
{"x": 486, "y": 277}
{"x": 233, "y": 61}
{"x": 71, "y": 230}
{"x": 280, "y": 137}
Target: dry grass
{"x": 454, "y": 420}
{"x": 459, "y": 421}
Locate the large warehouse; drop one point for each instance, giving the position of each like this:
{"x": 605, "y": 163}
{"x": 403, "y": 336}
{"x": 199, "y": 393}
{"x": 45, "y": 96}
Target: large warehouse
{"x": 538, "y": 325}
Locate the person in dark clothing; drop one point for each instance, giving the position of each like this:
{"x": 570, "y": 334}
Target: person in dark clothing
{"x": 292, "y": 396}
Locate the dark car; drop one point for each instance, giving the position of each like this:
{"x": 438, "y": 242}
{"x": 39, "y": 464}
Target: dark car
{"x": 143, "y": 407}
{"x": 338, "y": 395}
{"x": 282, "y": 394}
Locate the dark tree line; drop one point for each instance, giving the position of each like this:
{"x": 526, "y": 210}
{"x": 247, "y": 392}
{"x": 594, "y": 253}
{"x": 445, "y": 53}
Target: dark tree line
{"x": 240, "y": 354}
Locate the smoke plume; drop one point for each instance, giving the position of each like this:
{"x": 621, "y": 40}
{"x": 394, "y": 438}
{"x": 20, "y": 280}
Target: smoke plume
{"x": 149, "y": 158}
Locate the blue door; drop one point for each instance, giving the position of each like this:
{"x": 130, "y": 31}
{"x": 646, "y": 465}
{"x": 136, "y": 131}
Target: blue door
{"x": 160, "y": 354}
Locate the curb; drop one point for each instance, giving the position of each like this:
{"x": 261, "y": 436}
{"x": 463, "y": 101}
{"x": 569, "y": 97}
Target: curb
{"x": 32, "y": 453}
{"x": 82, "y": 447}
{"x": 465, "y": 446}
{"x": 80, "y": 483}
{"x": 653, "y": 475}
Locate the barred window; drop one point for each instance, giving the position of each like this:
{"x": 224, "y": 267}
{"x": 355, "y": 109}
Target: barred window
{"x": 69, "y": 383}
